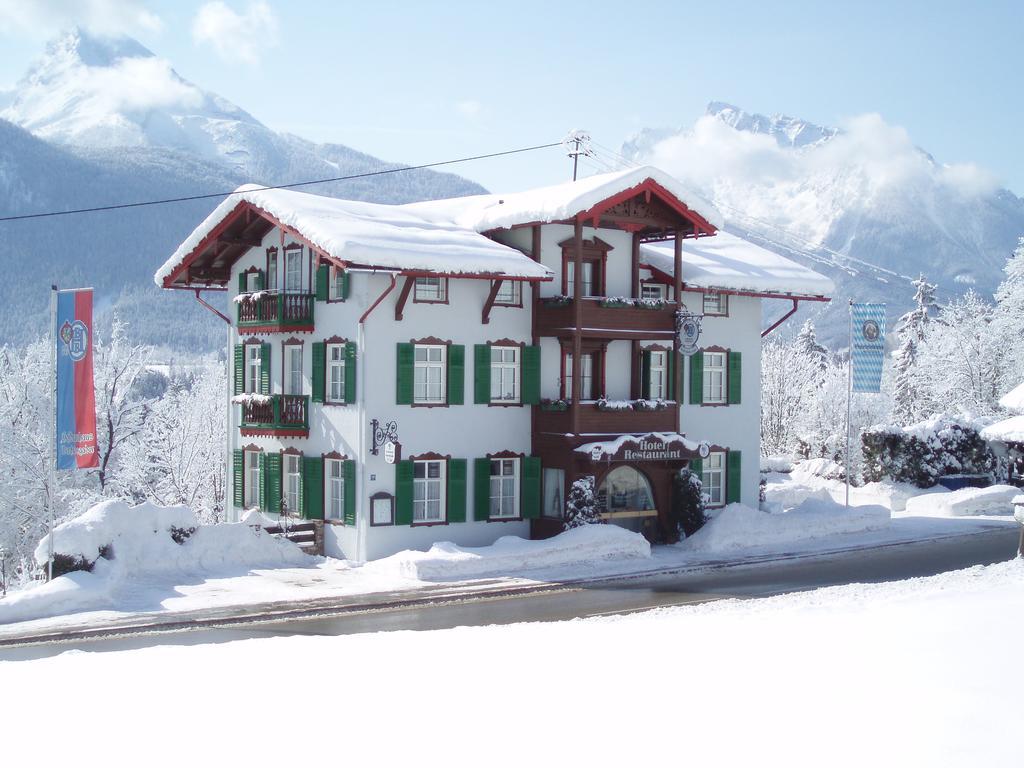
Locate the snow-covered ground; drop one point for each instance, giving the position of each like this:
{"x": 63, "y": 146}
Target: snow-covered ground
{"x": 913, "y": 673}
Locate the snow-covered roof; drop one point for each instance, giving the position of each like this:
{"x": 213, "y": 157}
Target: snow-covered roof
{"x": 668, "y": 439}
{"x": 483, "y": 213}
{"x": 370, "y": 234}
{"x": 1009, "y": 430}
{"x": 730, "y": 263}
{"x": 1014, "y": 399}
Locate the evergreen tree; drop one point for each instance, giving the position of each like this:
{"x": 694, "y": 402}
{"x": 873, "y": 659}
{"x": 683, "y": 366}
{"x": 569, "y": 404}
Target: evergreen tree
{"x": 689, "y": 503}
{"x": 580, "y": 507}
{"x": 1008, "y": 320}
{"x": 911, "y": 329}
{"x": 915, "y": 322}
{"x": 807, "y": 344}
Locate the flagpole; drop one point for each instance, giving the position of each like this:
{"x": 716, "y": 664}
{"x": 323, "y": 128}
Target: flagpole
{"x": 849, "y": 403}
{"x": 53, "y": 424}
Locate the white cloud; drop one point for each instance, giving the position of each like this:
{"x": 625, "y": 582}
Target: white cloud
{"x": 236, "y": 37}
{"x": 137, "y": 85}
{"x": 110, "y": 17}
{"x": 469, "y": 109}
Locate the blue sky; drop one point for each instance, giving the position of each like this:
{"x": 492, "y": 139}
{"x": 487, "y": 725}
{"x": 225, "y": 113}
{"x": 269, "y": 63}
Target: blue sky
{"x": 419, "y": 82}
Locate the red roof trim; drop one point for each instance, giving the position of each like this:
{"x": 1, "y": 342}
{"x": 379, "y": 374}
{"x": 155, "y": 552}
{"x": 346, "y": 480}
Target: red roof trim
{"x": 649, "y": 185}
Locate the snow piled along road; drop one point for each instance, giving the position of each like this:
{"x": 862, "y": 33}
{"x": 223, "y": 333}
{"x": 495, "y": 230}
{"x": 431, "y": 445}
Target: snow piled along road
{"x": 919, "y": 672}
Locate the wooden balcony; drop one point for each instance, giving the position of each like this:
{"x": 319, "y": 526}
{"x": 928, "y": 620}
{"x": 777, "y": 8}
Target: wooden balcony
{"x": 271, "y": 312}
{"x": 613, "y": 322}
{"x": 598, "y": 422}
{"x": 281, "y": 415}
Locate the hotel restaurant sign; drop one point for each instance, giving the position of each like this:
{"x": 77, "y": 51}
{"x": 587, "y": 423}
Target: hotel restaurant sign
{"x": 650, "y": 449}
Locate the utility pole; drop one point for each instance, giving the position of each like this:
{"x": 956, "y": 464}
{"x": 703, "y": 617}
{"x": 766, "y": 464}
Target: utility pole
{"x": 577, "y": 143}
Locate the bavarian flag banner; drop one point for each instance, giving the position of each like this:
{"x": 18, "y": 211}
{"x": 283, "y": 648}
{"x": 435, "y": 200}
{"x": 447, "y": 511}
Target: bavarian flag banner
{"x": 76, "y": 397}
{"x": 867, "y": 346}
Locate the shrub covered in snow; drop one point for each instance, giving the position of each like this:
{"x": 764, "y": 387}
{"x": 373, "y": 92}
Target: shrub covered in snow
{"x": 688, "y": 503}
{"x": 581, "y": 506}
{"x": 926, "y": 451}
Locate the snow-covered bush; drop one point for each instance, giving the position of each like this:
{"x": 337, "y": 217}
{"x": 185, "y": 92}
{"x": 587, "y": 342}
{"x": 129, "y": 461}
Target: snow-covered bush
{"x": 581, "y": 505}
{"x": 688, "y": 503}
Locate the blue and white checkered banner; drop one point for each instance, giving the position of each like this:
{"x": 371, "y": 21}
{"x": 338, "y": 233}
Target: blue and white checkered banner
{"x": 867, "y": 346}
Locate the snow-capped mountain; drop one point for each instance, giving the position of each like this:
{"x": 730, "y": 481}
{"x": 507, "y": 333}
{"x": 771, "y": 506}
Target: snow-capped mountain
{"x": 103, "y": 120}
{"x": 862, "y": 204}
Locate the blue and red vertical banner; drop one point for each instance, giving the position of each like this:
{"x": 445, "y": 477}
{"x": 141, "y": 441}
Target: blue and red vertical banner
{"x": 76, "y": 396}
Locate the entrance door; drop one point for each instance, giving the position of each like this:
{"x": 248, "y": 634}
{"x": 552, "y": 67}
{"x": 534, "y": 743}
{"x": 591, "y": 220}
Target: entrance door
{"x": 626, "y": 499}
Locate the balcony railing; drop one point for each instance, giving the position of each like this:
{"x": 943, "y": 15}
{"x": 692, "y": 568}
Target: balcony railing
{"x": 276, "y": 415}
{"x": 608, "y": 422}
{"x": 272, "y": 311}
{"x": 554, "y": 317}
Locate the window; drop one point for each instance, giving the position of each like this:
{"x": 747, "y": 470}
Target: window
{"x": 504, "y": 486}
{"x": 272, "y": 270}
{"x": 504, "y": 374}
{"x": 625, "y": 489}
{"x": 659, "y": 375}
{"x": 653, "y": 291}
{"x": 335, "y": 373}
{"x": 554, "y": 489}
{"x": 252, "y": 479}
{"x": 337, "y": 285}
{"x": 293, "y": 369}
{"x": 586, "y": 376}
{"x": 431, "y": 289}
{"x": 714, "y": 377}
{"x": 588, "y": 279}
{"x": 510, "y": 293}
{"x": 429, "y": 377}
{"x": 335, "y": 489}
{"x": 253, "y": 368}
{"x": 293, "y": 270}
{"x": 713, "y": 477}
{"x": 292, "y": 482}
{"x": 428, "y": 492}
{"x": 252, "y": 281}
{"x": 716, "y": 304}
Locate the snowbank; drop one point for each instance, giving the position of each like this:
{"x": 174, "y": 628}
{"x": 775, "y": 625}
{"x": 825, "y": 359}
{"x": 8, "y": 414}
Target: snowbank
{"x": 778, "y": 463}
{"x": 1009, "y": 430}
{"x": 510, "y": 554}
{"x": 741, "y": 527}
{"x": 994, "y": 500}
{"x": 129, "y": 544}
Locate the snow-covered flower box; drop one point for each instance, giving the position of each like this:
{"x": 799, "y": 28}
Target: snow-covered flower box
{"x": 556, "y": 301}
{"x": 642, "y": 404}
{"x": 614, "y": 302}
{"x": 558, "y": 405}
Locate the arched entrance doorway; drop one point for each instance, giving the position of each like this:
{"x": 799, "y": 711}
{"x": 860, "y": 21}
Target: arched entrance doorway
{"x": 626, "y": 498}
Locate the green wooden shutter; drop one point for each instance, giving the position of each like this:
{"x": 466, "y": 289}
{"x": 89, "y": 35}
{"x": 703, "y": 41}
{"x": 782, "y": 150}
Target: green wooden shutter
{"x": 697, "y": 466}
{"x": 263, "y": 481}
{"x": 456, "y": 374}
{"x": 238, "y": 477}
{"x": 405, "y": 368}
{"x": 673, "y": 362}
{"x": 403, "y": 492}
{"x": 530, "y": 394}
{"x": 261, "y": 280}
{"x": 319, "y": 366}
{"x": 481, "y": 374}
{"x": 272, "y": 482}
{"x": 242, "y": 282}
{"x": 239, "y": 369}
{"x": 696, "y": 378}
{"x": 264, "y": 369}
{"x": 312, "y": 487}
{"x": 348, "y": 471}
{"x": 323, "y": 273}
{"x": 350, "y": 372}
{"x": 456, "y": 490}
{"x": 735, "y": 374}
{"x": 344, "y": 285}
{"x": 529, "y": 487}
{"x": 733, "y": 480}
{"x": 481, "y": 489}
{"x": 645, "y": 375}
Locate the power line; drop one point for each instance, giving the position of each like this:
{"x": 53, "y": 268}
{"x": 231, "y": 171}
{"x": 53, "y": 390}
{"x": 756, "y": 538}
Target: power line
{"x": 277, "y": 186}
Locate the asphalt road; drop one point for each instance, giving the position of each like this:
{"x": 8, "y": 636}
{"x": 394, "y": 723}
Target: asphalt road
{"x": 624, "y": 595}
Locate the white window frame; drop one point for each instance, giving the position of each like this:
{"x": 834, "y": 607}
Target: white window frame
{"x": 659, "y": 291}
{"x": 271, "y": 271}
{"x": 251, "y": 479}
{"x": 421, "y": 389}
{"x": 253, "y": 367}
{"x": 713, "y": 478}
{"x": 554, "y": 490}
{"x": 510, "y": 294}
{"x": 293, "y": 383}
{"x": 715, "y": 384}
{"x": 334, "y": 491}
{"x": 292, "y": 471}
{"x": 588, "y": 278}
{"x": 658, "y": 384}
{"x": 716, "y": 304}
{"x": 586, "y": 375}
{"x": 251, "y": 280}
{"x": 504, "y": 492}
{"x": 334, "y": 284}
{"x": 430, "y": 290}
{"x": 335, "y": 368}
{"x": 505, "y": 374}
{"x": 421, "y": 498}
{"x": 290, "y": 275}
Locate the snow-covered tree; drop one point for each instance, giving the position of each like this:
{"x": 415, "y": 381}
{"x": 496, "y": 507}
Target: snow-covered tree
{"x": 788, "y": 380}
{"x": 1008, "y": 319}
{"x": 915, "y": 322}
{"x": 912, "y": 329}
{"x": 807, "y": 344}
{"x": 688, "y": 502}
{"x": 581, "y": 507}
